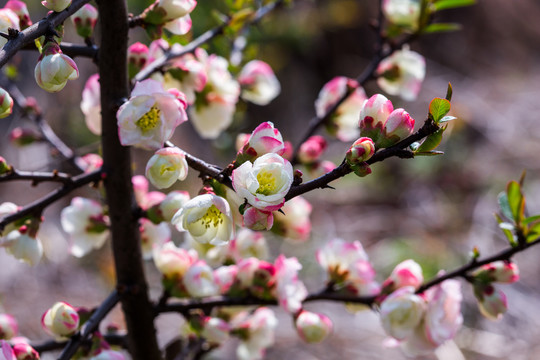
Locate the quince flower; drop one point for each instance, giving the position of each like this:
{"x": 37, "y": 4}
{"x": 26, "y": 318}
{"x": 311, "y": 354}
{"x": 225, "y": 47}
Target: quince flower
{"x": 149, "y": 117}
{"x": 166, "y": 167}
{"x": 207, "y": 218}
{"x": 265, "y": 182}
{"x": 258, "y": 82}
{"x": 402, "y": 74}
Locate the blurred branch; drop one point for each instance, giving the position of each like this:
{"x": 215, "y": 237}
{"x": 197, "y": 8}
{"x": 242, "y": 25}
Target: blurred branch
{"x": 90, "y": 326}
{"x": 36, "y": 207}
{"x": 328, "y": 294}
{"x": 72, "y": 50}
{"x": 36, "y": 177}
{"x": 159, "y": 64}
{"x": 51, "y": 345}
{"x": 383, "y": 50}
{"x": 26, "y": 37}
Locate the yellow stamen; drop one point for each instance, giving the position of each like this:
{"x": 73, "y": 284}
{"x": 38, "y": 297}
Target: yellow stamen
{"x": 149, "y": 120}
{"x": 213, "y": 217}
{"x": 267, "y": 183}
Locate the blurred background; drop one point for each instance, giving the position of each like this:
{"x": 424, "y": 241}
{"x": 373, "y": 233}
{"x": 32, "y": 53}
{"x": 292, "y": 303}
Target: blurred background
{"x": 432, "y": 209}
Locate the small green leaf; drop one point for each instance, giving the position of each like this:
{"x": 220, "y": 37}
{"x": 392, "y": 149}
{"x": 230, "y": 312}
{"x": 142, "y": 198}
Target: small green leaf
{"x": 531, "y": 219}
{"x": 516, "y": 201}
{"x": 432, "y": 141}
{"x": 533, "y": 231}
{"x": 509, "y": 234}
{"x": 451, "y": 4}
{"x": 447, "y": 119}
{"x": 504, "y": 205}
{"x": 441, "y": 27}
{"x": 449, "y": 92}
{"x": 438, "y": 108}
{"x": 429, "y": 153}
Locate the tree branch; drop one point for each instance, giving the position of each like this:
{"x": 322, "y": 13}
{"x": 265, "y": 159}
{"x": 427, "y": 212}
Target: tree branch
{"x": 126, "y": 241}
{"x": 90, "y": 326}
{"x": 36, "y": 207}
{"x": 51, "y": 345}
{"x": 159, "y": 64}
{"x": 36, "y": 177}
{"x": 28, "y": 35}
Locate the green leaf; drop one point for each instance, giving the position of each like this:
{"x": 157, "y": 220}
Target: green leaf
{"x": 504, "y": 205}
{"x": 449, "y": 92}
{"x": 447, "y": 119}
{"x": 438, "y": 108}
{"x": 531, "y": 219}
{"x": 451, "y": 4}
{"x": 516, "y": 201}
{"x": 533, "y": 231}
{"x": 431, "y": 142}
{"x": 509, "y": 234}
{"x": 429, "y": 153}
{"x": 441, "y": 27}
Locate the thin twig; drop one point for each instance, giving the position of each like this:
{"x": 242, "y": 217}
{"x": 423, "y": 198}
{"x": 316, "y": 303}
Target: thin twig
{"x": 36, "y": 207}
{"x": 37, "y": 177}
{"x": 51, "y": 345}
{"x": 90, "y": 326}
{"x": 160, "y": 63}
{"x": 28, "y": 35}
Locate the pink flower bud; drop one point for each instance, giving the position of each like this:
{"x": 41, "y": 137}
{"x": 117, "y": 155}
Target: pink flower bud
{"x": 258, "y": 82}
{"x": 167, "y": 166}
{"x": 406, "y": 273}
{"x": 256, "y": 219}
{"x": 373, "y": 116}
{"x": 6, "y": 352}
{"x": 173, "y": 262}
{"x": 216, "y": 330}
{"x": 361, "y": 150}
{"x": 8, "y": 327}
{"x": 295, "y": 225}
{"x": 19, "y": 8}
{"x": 61, "y": 320}
{"x": 492, "y": 302}
{"x": 54, "y": 69}
{"x": 264, "y": 139}
{"x": 23, "y": 351}
{"x": 56, "y": 5}
{"x": 313, "y": 327}
{"x": 248, "y": 243}
{"x": 6, "y": 104}
{"x": 85, "y": 20}
{"x": 91, "y": 162}
{"x": 224, "y": 276}
{"x": 24, "y": 136}
{"x": 312, "y": 149}
{"x": 137, "y": 58}
{"x": 398, "y": 126}
{"x": 199, "y": 280}
{"x": 8, "y": 19}
{"x": 499, "y": 271}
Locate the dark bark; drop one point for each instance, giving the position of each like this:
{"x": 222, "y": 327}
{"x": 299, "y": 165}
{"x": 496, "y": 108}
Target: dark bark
{"x": 112, "y": 60}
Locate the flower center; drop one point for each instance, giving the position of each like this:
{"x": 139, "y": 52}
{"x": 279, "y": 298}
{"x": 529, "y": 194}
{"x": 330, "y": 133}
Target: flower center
{"x": 149, "y": 120}
{"x": 267, "y": 183}
{"x": 213, "y": 217}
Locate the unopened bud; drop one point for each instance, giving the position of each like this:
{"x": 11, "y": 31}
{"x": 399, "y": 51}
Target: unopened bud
{"x": 361, "y": 150}
{"x": 85, "y": 20}
{"x": 56, "y": 5}
{"x": 256, "y": 219}
{"x": 24, "y": 136}
{"x": 313, "y": 327}
{"x": 499, "y": 271}
{"x": 492, "y": 302}
{"x": 4, "y": 167}
{"x": 312, "y": 149}
{"x": 137, "y": 58}
{"x": 6, "y": 104}
{"x": 60, "y": 320}
{"x": 19, "y": 8}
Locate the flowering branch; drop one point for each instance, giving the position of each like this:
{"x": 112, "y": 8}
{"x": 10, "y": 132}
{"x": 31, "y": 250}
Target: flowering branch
{"x": 398, "y": 150}
{"x": 27, "y": 36}
{"x": 90, "y": 326}
{"x": 159, "y": 63}
{"x": 37, "y": 206}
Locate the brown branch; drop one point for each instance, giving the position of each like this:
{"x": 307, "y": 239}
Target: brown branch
{"x": 28, "y": 35}
{"x": 90, "y": 326}
{"x": 52, "y": 345}
{"x": 126, "y": 241}
{"x": 160, "y": 63}
{"x": 36, "y": 177}
{"x": 206, "y": 305}
{"x": 36, "y": 207}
